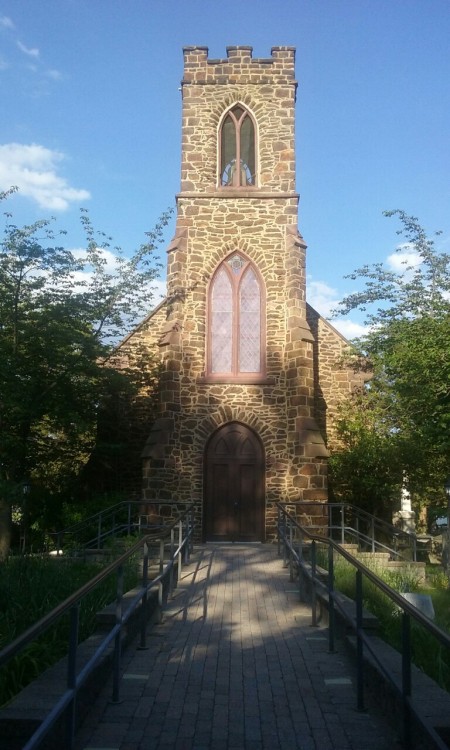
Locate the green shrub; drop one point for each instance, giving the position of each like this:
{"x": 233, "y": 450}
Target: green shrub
{"x": 30, "y": 587}
{"x": 427, "y": 654}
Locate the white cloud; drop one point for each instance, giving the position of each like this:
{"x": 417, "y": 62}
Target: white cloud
{"x": 404, "y": 257}
{"x": 55, "y": 75}
{"x": 349, "y": 328}
{"x": 6, "y": 23}
{"x": 158, "y": 289}
{"x": 325, "y": 299}
{"x": 30, "y": 51}
{"x": 321, "y": 297}
{"x": 33, "y": 169}
{"x": 34, "y": 64}
{"x": 108, "y": 257}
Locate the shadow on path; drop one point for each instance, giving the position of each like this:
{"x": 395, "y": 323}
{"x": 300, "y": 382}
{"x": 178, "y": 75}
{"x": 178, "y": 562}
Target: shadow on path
{"x": 235, "y": 664}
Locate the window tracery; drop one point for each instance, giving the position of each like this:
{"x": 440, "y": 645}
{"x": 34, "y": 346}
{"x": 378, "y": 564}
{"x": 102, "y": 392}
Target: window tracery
{"x": 237, "y": 149}
{"x": 236, "y": 305}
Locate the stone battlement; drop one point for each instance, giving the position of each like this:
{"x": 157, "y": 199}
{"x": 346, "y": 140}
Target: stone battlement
{"x": 239, "y": 65}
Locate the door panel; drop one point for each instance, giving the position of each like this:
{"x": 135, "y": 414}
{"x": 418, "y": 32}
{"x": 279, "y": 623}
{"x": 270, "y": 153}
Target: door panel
{"x": 234, "y": 485}
{"x": 221, "y": 492}
{"x": 248, "y": 510}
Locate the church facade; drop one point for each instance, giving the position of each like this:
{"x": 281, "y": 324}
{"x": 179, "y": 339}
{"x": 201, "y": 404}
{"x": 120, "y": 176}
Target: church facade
{"x": 251, "y": 375}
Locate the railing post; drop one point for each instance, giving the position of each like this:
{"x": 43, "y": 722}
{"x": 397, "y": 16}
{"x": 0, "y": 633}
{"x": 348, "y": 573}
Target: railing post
{"x": 143, "y": 643}
{"x": 359, "y": 642}
{"x": 180, "y": 542}
{"x": 161, "y": 554}
{"x": 172, "y": 562}
{"x": 313, "y": 583}
{"x": 188, "y": 536}
{"x": 72, "y": 674}
{"x": 300, "y": 562}
{"x": 406, "y": 678}
{"x": 283, "y": 535}
{"x": 291, "y": 553}
{"x": 191, "y": 529}
{"x": 99, "y": 530}
{"x": 129, "y": 518}
{"x": 372, "y": 533}
{"x": 342, "y": 525}
{"x": 118, "y": 638}
{"x": 331, "y": 617}
{"x": 285, "y": 544}
{"x": 279, "y": 530}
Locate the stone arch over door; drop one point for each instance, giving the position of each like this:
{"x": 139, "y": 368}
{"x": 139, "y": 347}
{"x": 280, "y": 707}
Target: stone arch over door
{"x": 234, "y": 506}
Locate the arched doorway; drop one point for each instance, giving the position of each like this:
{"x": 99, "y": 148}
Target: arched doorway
{"x": 234, "y": 486}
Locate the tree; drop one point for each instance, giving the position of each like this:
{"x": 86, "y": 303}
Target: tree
{"x": 364, "y": 470}
{"x": 60, "y": 315}
{"x": 407, "y": 349}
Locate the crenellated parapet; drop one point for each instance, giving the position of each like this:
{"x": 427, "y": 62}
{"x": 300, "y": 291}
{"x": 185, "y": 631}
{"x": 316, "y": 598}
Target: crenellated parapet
{"x": 239, "y": 66}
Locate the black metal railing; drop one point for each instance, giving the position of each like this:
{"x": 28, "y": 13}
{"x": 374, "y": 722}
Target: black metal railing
{"x": 175, "y": 543}
{"x": 291, "y": 541}
{"x": 123, "y": 519}
{"x": 348, "y": 524}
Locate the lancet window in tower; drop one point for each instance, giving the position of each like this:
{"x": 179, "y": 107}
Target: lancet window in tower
{"x": 236, "y": 320}
{"x": 237, "y": 149}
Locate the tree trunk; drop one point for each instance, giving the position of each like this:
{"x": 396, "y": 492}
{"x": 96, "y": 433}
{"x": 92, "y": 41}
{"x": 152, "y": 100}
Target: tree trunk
{"x": 5, "y": 528}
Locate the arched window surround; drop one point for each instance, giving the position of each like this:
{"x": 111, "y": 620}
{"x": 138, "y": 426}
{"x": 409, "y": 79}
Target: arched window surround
{"x": 248, "y": 274}
{"x": 237, "y": 183}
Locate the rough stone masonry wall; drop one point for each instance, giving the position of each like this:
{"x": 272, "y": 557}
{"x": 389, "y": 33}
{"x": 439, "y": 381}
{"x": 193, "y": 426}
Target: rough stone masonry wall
{"x": 336, "y": 380}
{"x": 261, "y": 223}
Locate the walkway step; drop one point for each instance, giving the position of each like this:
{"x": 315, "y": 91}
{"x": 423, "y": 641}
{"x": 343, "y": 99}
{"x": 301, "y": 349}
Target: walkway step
{"x": 381, "y": 557}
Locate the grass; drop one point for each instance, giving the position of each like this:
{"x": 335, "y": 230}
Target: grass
{"x": 30, "y": 587}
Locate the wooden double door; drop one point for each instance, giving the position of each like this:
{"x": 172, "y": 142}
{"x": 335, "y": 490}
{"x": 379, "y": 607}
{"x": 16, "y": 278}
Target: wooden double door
{"x": 234, "y": 486}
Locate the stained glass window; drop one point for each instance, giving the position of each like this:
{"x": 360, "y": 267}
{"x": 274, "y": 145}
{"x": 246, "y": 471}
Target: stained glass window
{"x": 221, "y": 323}
{"x": 249, "y": 323}
{"x": 237, "y": 149}
{"x": 235, "y": 319}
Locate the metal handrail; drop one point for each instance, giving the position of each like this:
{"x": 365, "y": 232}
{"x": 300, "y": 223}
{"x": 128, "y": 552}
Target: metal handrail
{"x": 179, "y": 550}
{"x": 119, "y": 519}
{"x": 378, "y": 524}
{"x": 290, "y": 537}
{"x": 374, "y": 544}
{"x": 376, "y": 529}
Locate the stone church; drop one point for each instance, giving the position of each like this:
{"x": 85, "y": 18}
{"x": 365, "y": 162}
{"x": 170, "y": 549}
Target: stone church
{"x": 250, "y": 373}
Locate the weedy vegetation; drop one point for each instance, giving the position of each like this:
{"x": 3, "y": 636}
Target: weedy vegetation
{"x": 427, "y": 654}
{"x": 30, "y": 587}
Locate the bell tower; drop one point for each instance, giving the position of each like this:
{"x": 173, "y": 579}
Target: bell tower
{"x": 237, "y": 427}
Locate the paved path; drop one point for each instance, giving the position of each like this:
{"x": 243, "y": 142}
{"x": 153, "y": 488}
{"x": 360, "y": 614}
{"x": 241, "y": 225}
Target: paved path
{"x": 235, "y": 664}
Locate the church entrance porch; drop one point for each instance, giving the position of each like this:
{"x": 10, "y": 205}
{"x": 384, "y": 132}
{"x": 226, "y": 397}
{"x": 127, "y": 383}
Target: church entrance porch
{"x": 234, "y": 486}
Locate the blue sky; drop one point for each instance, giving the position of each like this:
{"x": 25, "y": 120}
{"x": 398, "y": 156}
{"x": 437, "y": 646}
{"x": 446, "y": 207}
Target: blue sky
{"x": 91, "y": 107}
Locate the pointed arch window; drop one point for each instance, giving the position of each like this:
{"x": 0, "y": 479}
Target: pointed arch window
{"x": 237, "y": 149}
{"x": 236, "y": 327}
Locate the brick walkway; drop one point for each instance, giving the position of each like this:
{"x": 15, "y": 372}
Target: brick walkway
{"x": 235, "y": 664}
